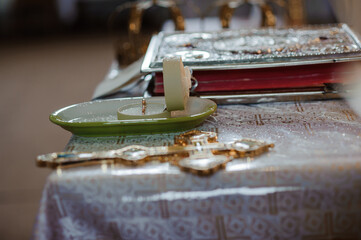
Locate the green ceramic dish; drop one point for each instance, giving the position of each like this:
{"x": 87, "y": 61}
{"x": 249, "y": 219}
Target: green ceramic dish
{"x": 99, "y": 118}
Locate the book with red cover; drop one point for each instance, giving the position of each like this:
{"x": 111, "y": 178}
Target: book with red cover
{"x": 258, "y": 59}
{"x": 264, "y": 79}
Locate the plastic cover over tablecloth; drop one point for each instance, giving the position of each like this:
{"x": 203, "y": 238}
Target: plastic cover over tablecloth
{"x": 307, "y": 187}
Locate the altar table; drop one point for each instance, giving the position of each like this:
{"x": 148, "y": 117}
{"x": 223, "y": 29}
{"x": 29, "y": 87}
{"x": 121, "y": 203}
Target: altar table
{"x": 307, "y": 187}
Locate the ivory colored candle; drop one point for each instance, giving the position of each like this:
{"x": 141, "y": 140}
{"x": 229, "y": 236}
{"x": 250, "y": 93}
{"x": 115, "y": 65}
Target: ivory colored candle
{"x": 177, "y": 82}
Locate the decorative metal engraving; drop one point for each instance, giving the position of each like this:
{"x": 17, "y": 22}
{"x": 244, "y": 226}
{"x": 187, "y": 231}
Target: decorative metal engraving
{"x": 255, "y": 48}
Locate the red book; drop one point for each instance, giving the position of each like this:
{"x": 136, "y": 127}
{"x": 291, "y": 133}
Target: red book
{"x": 258, "y": 60}
{"x": 304, "y": 76}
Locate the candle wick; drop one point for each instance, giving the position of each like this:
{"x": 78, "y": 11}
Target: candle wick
{"x": 144, "y": 106}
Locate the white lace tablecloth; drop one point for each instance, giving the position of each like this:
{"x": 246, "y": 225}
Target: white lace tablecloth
{"x": 307, "y": 187}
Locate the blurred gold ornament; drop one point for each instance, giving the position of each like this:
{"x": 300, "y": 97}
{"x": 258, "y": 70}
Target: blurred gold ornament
{"x": 133, "y": 46}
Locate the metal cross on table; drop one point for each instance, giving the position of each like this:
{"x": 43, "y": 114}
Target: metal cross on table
{"x": 195, "y": 151}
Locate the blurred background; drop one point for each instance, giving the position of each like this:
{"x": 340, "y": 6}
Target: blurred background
{"x": 53, "y": 53}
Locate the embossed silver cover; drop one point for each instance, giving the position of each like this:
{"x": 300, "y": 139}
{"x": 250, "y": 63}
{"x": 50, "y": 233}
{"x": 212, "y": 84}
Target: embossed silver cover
{"x": 255, "y": 48}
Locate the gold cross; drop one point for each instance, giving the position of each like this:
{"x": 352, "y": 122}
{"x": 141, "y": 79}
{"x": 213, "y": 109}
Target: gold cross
{"x": 195, "y": 151}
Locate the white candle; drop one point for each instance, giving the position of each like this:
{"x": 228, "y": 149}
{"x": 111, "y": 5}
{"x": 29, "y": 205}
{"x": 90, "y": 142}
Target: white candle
{"x": 177, "y": 82}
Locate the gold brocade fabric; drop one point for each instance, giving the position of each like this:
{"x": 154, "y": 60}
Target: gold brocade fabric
{"x": 307, "y": 187}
